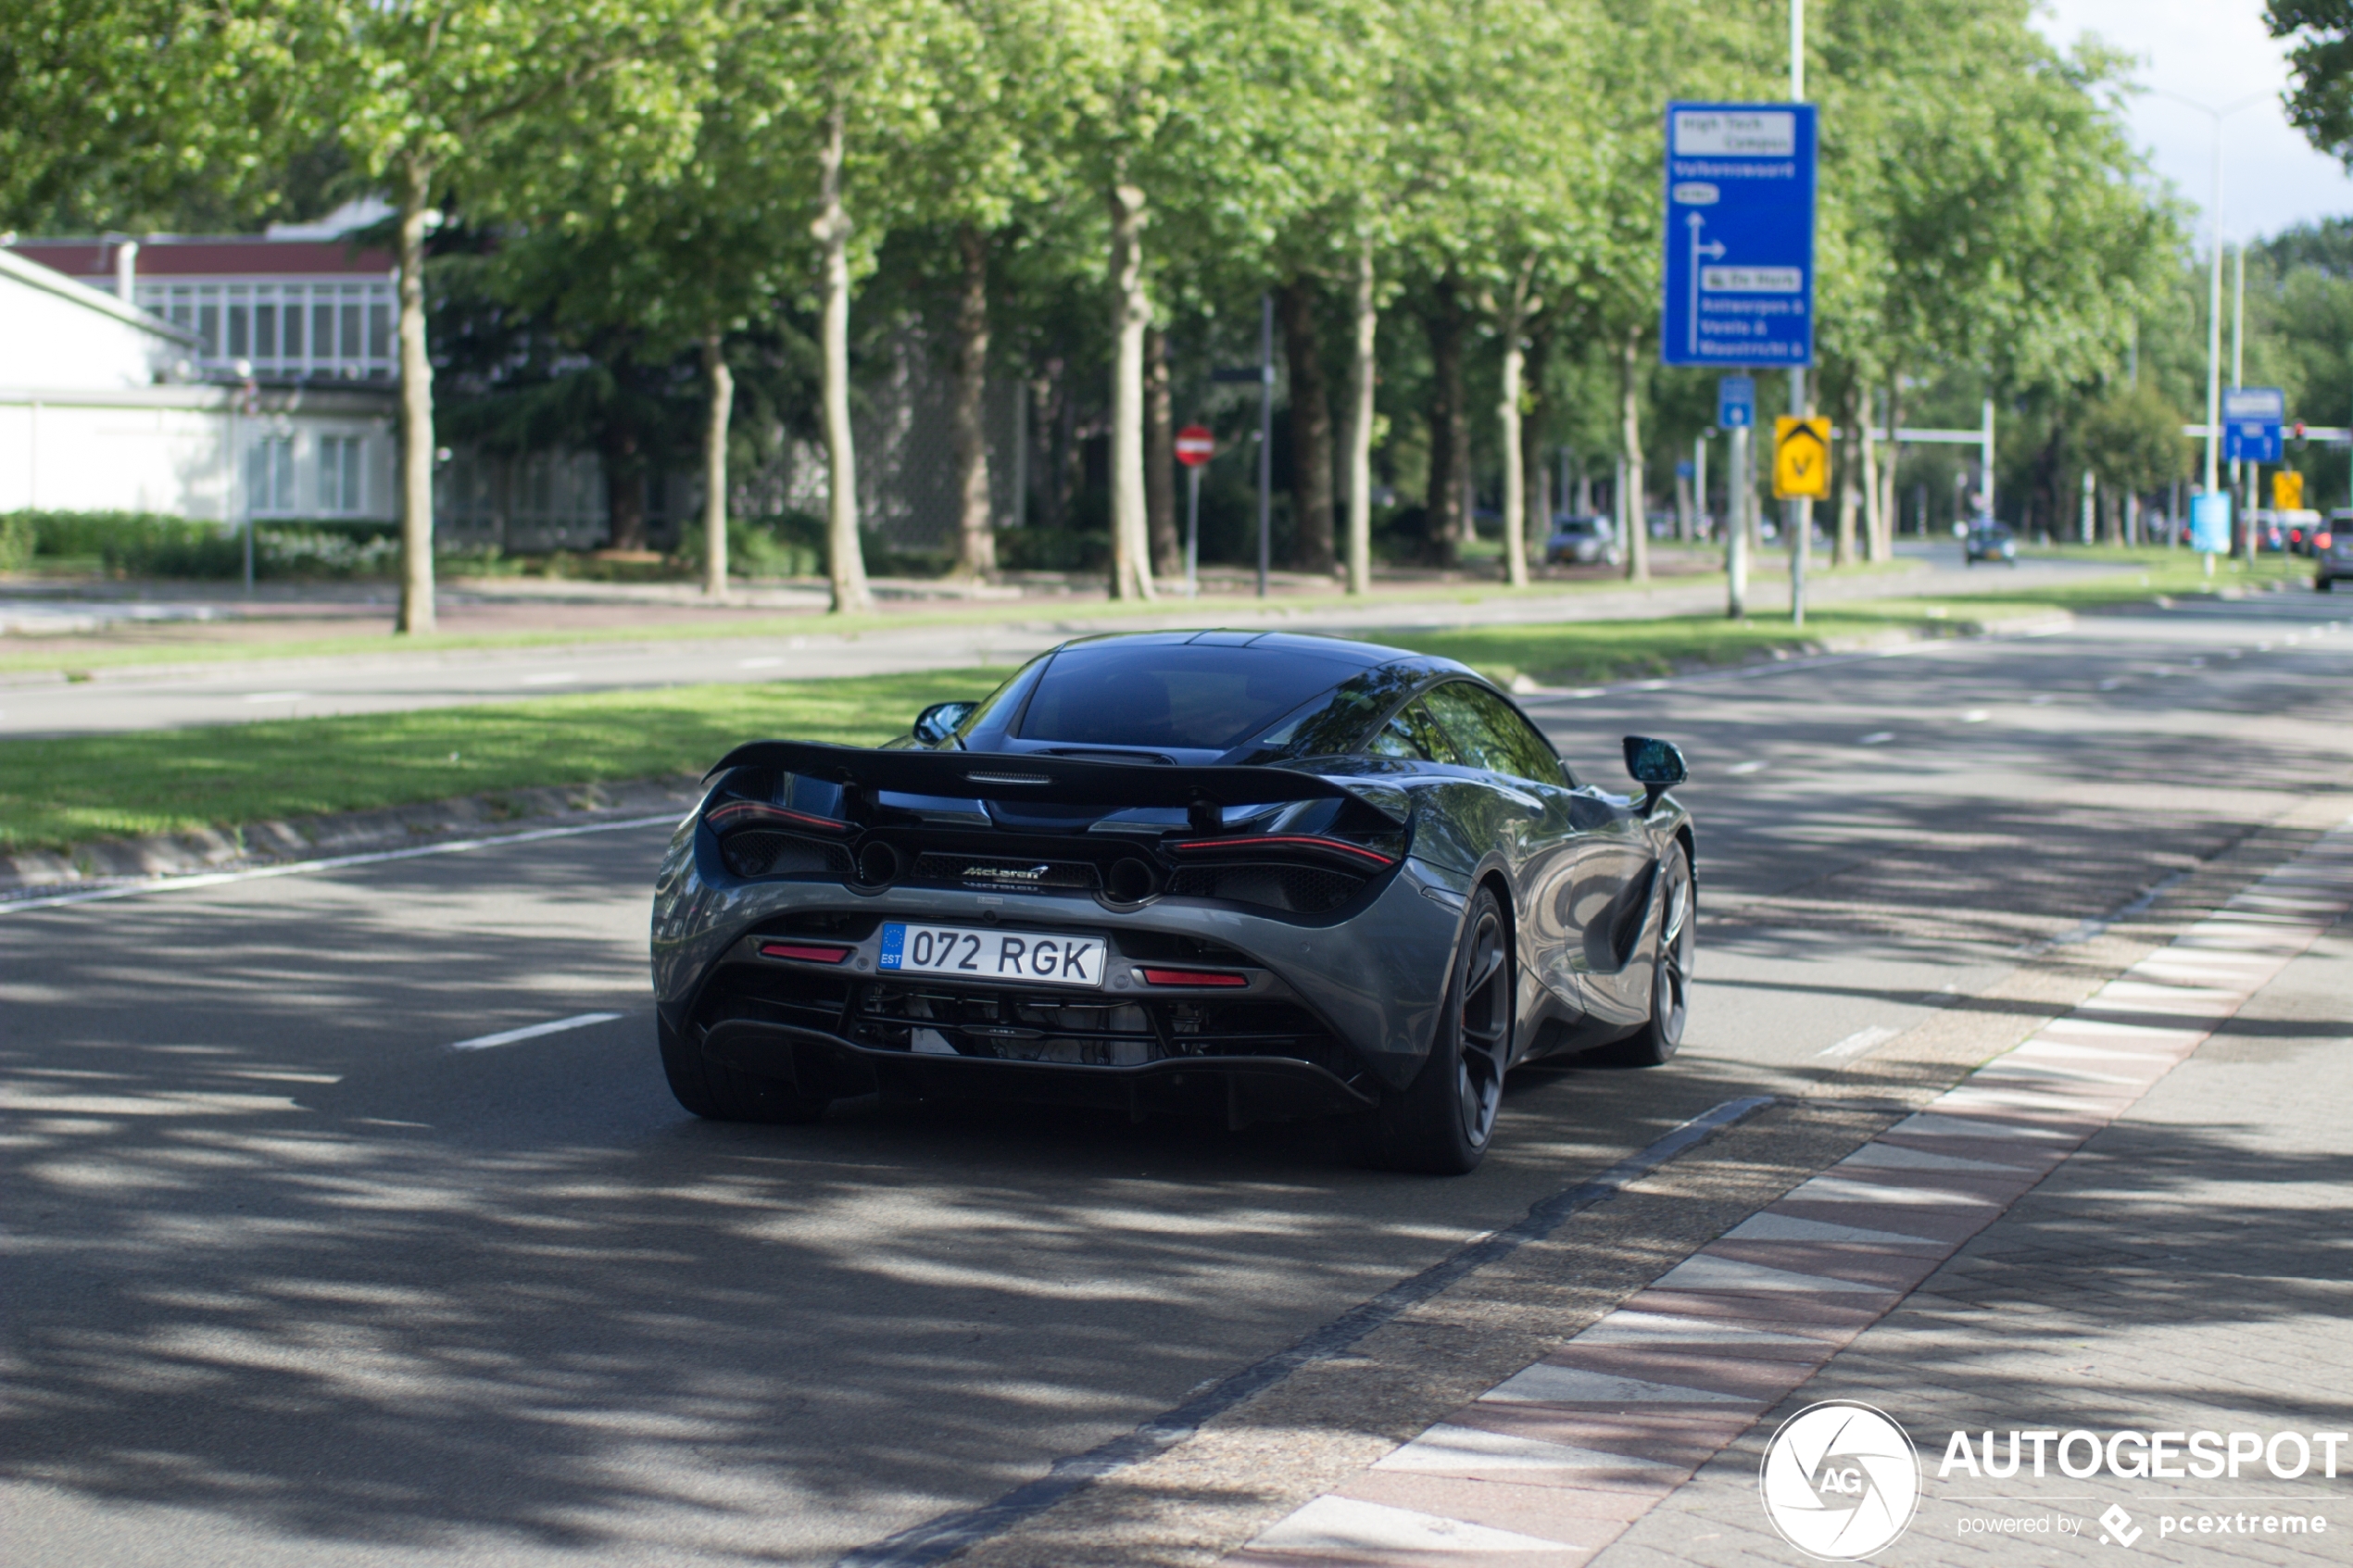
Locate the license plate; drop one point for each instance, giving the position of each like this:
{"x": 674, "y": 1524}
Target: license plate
{"x": 1003, "y": 957}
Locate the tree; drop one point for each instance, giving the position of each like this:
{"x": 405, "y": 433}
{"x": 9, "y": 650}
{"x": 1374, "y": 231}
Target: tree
{"x": 480, "y": 99}
{"x": 126, "y": 113}
{"x": 2321, "y": 62}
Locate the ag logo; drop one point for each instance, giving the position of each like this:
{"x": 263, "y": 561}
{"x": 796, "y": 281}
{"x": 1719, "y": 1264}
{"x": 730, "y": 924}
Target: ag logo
{"x": 1840, "y": 1480}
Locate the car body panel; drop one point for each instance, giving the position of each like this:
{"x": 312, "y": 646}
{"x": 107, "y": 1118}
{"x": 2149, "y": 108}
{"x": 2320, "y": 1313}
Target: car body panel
{"x": 1359, "y": 984}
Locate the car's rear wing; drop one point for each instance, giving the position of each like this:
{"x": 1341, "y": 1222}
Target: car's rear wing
{"x": 1029, "y": 777}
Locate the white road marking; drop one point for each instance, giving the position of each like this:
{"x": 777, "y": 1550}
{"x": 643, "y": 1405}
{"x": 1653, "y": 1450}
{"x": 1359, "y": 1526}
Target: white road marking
{"x": 551, "y": 677}
{"x": 1975, "y": 716}
{"x": 1331, "y": 1523}
{"x": 304, "y": 867}
{"x": 1545, "y": 1383}
{"x": 533, "y": 1030}
{"x": 1859, "y": 1041}
{"x": 1744, "y": 767}
{"x": 1447, "y": 1446}
{"x": 1701, "y": 1271}
{"x": 1877, "y": 737}
{"x": 275, "y": 697}
{"x": 1788, "y": 1228}
{"x": 765, "y": 663}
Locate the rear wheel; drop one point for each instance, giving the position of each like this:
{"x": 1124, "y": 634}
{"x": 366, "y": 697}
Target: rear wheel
{"x": 724, "y": 1094}
{"x": 1441, "y": 1122}
{"x": 1670, "y": 970}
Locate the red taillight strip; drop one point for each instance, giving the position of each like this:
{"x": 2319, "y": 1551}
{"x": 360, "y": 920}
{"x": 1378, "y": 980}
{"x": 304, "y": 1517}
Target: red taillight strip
{"x": 759, "y": 810}
{"x": 1192, "y": 977}
{"x": 805, "y": 954}
{"x": 1296, "y": 841}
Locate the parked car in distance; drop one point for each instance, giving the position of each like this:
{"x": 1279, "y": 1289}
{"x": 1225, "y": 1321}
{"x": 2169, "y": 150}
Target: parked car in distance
{"x": 2333, "y": 550}
{"x": 1581, "y": 541}
{"x": 1989, "y": 542}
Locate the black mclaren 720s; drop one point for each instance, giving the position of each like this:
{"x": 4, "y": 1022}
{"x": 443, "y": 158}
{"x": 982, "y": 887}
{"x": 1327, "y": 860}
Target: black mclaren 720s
{"x": 1255, "y": 875}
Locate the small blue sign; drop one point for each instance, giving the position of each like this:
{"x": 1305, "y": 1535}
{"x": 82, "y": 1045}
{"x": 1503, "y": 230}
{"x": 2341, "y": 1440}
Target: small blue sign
{"x": 1735, "y": 402}
{"x": 2251, "y": 421}
{"x": 1739, "y": 236}
{"x": 2211, "y": 522}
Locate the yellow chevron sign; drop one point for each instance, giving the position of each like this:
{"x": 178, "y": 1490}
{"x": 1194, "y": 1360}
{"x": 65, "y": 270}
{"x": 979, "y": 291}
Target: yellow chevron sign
{"x": 1801, "y": 458}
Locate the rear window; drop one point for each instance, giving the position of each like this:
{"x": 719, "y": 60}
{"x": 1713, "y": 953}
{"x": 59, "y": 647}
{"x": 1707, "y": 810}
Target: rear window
{"x": 1181, "y": 695}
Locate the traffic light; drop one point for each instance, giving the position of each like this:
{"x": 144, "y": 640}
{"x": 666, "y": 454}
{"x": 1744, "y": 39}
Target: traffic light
{"x": 2287, "y": 491}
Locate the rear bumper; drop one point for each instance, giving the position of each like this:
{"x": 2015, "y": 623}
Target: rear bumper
{"x": 1334, "y": 1006}
{"x": 1240, "y": 1089}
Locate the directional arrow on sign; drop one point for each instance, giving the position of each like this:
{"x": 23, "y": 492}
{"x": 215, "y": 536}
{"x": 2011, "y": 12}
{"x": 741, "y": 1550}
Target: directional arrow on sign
{"x": 1709, "y": 252}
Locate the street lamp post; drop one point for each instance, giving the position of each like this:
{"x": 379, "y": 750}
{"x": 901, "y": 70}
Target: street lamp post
{"x": 2214, "y": 290}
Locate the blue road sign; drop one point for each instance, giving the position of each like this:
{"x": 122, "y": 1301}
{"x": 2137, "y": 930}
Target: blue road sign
{"x": 1739, "y": 236}
{"x": 1735, "y": 402}
{"x": 2251, "y": 420}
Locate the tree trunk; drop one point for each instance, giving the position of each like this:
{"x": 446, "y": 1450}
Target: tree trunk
{"x": 976, "y": 527}
{"x": 1160, "y": 458}
{"x": 1535, "y": 430}
{"x": 1850, "y": 492}
{"x": 1632, "y": 504}
{"x": 1131, "y": 567}
{"x": 1360, "y": 429}
{"x": 416, "y": 409}
{"x": 1449, "y": 430}
{"x": 845, "y": 560}
{"x": 1874, "y": 525}
{"x": 1890, "y": 509}
{"x": 1311, "y": 429}
{"x": 714, "y": 465}
{"x": 1508, "y": 412}
{"x": 625, "y": 462}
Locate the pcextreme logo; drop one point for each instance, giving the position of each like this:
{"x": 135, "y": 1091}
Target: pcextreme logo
{"x": 1840, "y": 1480}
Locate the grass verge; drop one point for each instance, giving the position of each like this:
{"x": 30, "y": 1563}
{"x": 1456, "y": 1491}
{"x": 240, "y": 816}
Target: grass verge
{"x": 57, "y": 793}
{"x": 1585, "y": 652}
{"x": 168, "y": 643}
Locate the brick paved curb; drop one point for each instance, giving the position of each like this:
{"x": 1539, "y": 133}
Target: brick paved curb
{"x": 1554, "y": 1463}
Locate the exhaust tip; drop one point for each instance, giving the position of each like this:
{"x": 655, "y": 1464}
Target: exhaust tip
{"x": 1129, "y": 882}
{"x": 877, "y": 863}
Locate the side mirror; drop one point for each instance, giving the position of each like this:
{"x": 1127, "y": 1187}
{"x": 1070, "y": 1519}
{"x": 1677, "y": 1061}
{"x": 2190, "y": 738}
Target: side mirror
{"x": 942, "y": 719}
{"x": 1656, "y": 765}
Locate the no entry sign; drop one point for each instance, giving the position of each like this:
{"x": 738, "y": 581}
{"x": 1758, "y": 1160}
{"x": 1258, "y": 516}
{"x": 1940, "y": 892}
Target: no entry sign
{"x": 1195, "y": 445}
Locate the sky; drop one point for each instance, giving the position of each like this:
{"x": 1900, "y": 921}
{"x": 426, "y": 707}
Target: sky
{"x": 2217, "y": 52}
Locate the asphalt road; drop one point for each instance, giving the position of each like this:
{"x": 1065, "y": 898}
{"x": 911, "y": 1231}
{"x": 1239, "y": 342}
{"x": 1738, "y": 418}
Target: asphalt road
{"x": 237, "y": 691}
{"x": 293, "y": 1282}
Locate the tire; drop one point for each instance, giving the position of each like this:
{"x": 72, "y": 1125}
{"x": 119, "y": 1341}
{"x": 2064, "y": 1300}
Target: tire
{"x": 1662, "y": 1035}
{"x": 1441, "y": 1123}
{"x": 2324, "y": 585}
{"x": 724, "y": 1094}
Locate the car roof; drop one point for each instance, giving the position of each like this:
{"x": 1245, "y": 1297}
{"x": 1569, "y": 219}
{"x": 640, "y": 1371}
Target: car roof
{"x": 1365, "y": 656}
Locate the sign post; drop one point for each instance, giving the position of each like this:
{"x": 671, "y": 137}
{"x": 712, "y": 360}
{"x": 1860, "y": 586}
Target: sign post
{"x": 1738, "y": 274}
{"x": 1736, "y": 412}
{"x": 1195, "y": 446}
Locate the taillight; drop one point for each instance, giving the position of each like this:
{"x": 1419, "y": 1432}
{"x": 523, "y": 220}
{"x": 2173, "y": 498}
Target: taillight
{"x": 804, "y": 952}
{"x": 1354, "y": 856}
{"x": 1193, "y": 977}
{"x": 2322, "y": 541}
{"x": 738, "y": 813}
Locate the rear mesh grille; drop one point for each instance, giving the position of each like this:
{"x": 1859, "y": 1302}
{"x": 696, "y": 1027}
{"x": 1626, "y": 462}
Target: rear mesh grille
{"x": 1012, "y": 874}
{"x": 759, "y": 852}
{"x": 1307, "y": 890}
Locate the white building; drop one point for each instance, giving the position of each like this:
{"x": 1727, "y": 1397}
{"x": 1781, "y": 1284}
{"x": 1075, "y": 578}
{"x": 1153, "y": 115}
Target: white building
{"x": 255, "y": 385}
